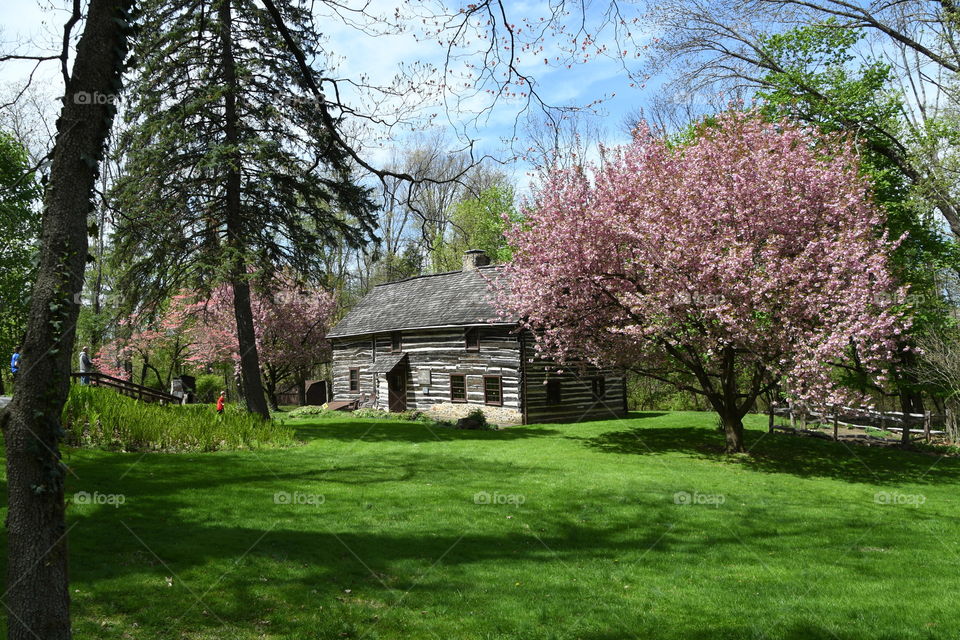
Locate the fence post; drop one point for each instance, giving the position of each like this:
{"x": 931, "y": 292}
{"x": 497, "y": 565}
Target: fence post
{"x": 948, "y": 423}
{"x": 926, "y": 426}
{"x": 835, "y": 423}
{"x": 770, "y": 419}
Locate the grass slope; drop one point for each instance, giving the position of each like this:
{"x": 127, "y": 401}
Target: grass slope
{"x": 372, "y": 530}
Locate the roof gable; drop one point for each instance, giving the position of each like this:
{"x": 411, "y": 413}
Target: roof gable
{"x": 457, "y": 298}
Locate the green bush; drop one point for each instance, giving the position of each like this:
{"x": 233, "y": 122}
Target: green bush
{"x": 647, "y": 394}
{"x": 209, "y": 387}
{"x": 374, "y": 413}
{"x": 310, "y": 410}
{"x": 478, "y": 417}
{"x": 102, "y": 418}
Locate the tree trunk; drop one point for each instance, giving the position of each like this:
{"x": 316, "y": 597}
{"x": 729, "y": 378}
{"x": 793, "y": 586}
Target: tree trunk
{"x": 144, "y": 367}
{"x": 243, "y": 312}
{"x": 38, "y": 597}
{"x": 911, "y": 401}
{"x": 270, "y": 386}
{"x": 726, "y": 405}
{"x": 301, "y": 389}
{"x": 96, "y": 335}
{"x": 733, "y": 431}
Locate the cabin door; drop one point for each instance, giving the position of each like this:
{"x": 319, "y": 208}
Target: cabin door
{"x": 397, "y": 387}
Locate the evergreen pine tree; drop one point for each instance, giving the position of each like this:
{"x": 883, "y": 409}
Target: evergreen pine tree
{"x": 229, "y": 176}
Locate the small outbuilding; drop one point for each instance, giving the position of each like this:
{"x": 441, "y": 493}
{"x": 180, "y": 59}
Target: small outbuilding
{"x": 436, "y": 343}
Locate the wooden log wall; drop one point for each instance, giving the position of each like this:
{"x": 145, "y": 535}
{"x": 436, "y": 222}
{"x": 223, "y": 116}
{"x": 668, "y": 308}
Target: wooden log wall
{"x": 434, "y": 355}
{"x": 577, "y": 401}
{"x": 349, "y": 353}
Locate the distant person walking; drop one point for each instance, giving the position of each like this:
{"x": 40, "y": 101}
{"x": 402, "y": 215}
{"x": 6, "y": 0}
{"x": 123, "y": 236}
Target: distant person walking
{"x": 221, "y": 401}
{"x": 15, "y": 363}
{"x": 86, "y": 365}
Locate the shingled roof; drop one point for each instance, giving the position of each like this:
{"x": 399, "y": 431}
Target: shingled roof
{"x": 457, "y": 298}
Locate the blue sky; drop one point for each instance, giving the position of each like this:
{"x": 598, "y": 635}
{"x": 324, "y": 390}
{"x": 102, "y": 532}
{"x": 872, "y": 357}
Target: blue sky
{"x": 380, "y": 57}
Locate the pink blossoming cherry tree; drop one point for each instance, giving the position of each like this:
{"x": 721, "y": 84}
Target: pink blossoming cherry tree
{"x": 748, "y": 257}
{"x": 290, "y": 327}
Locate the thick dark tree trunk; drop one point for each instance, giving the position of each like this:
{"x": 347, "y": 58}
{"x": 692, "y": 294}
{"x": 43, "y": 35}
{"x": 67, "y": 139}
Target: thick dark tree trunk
{"x": 251, "y": 382}
{"x": 246, "y": 336}
{"x": 37, "y": 596}
{"x": 733, "y": 432}
{"x": 911, "y": 401}
{"x": 726, "y": 403}
{"x": 301, "y": 390}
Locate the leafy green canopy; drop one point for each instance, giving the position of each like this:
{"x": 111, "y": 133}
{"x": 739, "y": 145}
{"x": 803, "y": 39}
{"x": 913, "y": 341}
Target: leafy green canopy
{"x": 477, "y": 223}
{"x": 19, "y": 229}
{"x": 816, "y": 75}
{"x": 819, "y": 81}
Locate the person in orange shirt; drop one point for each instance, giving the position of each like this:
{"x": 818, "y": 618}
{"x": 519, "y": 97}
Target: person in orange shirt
{"x": 221, "y": 401}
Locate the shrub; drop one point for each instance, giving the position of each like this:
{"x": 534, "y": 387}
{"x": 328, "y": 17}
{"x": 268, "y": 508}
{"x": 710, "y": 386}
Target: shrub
{"x": 374, "y": 413}
{"x": 209, "y": 387}
{"x": 311, "y": 410}
{"x": 476, "y": 419}
{"x": 102, "y": 418}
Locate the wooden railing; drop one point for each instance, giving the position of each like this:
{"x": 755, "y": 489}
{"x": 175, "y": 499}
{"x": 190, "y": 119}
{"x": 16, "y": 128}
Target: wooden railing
{"x": 861, "y": 418}
{"x": 127, "y": 388}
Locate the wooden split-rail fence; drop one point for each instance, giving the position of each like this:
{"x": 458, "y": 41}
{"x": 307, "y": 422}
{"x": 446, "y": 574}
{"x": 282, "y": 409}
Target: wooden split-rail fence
{"x": 921, "y": 424}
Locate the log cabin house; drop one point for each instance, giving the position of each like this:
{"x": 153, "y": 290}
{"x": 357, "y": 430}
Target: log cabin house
{"x": 436, "y": 343}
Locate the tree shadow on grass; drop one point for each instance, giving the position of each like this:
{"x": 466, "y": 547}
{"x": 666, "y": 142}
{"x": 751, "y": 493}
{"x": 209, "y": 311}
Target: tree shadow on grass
{"x": 204, "y": 541}
{"x": 782, "y": 453}
{"x": 293, "y": 561}
{"x": 399, "y": 431}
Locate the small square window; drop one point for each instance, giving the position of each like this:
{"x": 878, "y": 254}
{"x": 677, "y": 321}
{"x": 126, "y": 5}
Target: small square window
{"x": 554, "y": 394}
{"x": 396, "y": 343}
{"x": 471, "y": 338}
{"x": 599, "y": 388}
{"x": 458, "y": 388}
{"x": 492, "y": 390}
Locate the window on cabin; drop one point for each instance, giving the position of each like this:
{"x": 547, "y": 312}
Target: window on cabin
{"x": 471, "y": 338}
{"x": 354, "y": 379}
{"x": 396, "y": 344}
{"x": 458, "y": 388}
{"x": 492, "y": 390}
{"x": 599, "y": 387}
{"x": 554, "y": 395}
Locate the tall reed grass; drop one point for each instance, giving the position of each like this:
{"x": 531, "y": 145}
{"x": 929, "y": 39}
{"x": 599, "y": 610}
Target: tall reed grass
{"x": 102, "y": 418}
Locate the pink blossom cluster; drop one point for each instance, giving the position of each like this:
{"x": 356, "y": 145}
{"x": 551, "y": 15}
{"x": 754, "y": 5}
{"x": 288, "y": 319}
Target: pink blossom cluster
{"x": 290, "y": 324}
{"x": 755, "y": 236}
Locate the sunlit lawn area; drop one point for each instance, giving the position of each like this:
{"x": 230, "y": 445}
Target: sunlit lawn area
{"x": 372, "y": 529}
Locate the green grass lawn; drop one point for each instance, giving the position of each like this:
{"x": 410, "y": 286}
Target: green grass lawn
{"x": 372, "y": 529}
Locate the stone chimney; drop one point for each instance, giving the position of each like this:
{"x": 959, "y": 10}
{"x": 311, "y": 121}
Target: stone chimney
{"x": 475, "y": 258}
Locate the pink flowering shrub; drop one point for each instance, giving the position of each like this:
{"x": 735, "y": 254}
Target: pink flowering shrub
{"x": 290, "y": 325}
{"x": 749, "y": 257}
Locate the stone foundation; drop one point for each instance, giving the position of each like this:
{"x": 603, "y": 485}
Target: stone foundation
{"x": 451, "y": 412}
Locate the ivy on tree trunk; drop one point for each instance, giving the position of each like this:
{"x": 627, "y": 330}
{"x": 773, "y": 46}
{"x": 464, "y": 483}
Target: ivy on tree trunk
{"x": 38, "y": 598}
